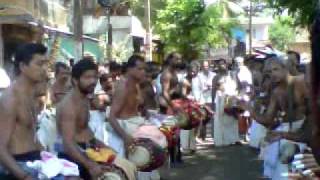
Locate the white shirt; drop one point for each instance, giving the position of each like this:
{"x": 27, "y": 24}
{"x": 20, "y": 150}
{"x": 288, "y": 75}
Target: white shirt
{"x": 245, "y": 76}
{"x": 206, "y": 86}
{"x": 196, "y": 88}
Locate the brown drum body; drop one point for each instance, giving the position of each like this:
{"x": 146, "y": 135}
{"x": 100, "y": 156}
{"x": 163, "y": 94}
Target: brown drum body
{"x": 147, "y": 155}
{"x": 115, "y": 173}
{"x": 192, "y": 111}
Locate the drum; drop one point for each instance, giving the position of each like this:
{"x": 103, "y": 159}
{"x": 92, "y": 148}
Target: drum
{"x": 147, "y": 155}
{"x": 191, "y": 116}
{"x": 114, "y": 173}
{"x": 171, "y": 134}
{"x": 117, "y": 168}
{"x": 151, "y": 132}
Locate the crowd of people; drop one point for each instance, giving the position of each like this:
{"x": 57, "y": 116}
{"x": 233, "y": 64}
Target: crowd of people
{"x": 94, "y": 121}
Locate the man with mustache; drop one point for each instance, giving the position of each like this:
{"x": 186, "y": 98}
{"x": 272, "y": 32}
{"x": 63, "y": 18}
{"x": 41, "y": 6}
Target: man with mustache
{"x": 72, "y": 121}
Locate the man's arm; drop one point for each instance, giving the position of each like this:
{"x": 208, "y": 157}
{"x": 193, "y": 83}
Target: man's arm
{"x": 184, "y": 88}
{"x": 66, "y": 122}
{"x": 267, "y": 119}
{"x": 7, "y": 124}
{"x": 117, "y": 104}
{"x": 165, "y": 83}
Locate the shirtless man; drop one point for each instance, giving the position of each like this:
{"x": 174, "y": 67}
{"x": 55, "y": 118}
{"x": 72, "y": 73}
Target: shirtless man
{"x": 127, "y": 99}
{"x": 169, "y": 81}
{"x": 73, "y": 117}
{"x": 62, "y": 84}
{"x": 18, "y": 118}
{"x": 286, "y": 112}
{"x": 279, "y": 97}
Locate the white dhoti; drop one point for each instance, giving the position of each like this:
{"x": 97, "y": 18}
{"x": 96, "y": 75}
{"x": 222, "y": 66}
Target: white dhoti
{"x": 257, "y": 133}
{"x": 130, "y": 126}
{"x": 187, "y": 139}
{"x": 47, "y": 132}
{"x": 272, "y": 153}
{"x": 226, "y": 130}
{"x": 97, "y": 124}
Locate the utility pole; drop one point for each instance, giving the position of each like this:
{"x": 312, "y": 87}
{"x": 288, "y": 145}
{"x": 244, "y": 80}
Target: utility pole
{"x": 77, "y": 29}
{"x": 107, "y": 4}
{"x": 1, "y": 47}
{"x": 109, "y": 45}
{"x": 250, "y": 27}
{"x": 148, "y": 41}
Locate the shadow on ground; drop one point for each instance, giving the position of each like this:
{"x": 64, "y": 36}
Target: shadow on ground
{"x": 217, "y": 163}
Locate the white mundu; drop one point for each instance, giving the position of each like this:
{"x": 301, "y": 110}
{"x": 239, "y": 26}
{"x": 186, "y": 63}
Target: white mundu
{"x": 225, "y": 126}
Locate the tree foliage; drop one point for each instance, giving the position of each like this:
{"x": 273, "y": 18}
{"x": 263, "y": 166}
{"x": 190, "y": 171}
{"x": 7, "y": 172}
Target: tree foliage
{"x": 302, "y": 10}
{"x": 186, "y": 26}
{"x": 282, "y": 32}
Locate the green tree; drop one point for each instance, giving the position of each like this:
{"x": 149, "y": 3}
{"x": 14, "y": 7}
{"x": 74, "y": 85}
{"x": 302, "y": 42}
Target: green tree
{"x": 302, "y": 10}
{"x": 282, "y": 32}
{"x": 186, "y": 26}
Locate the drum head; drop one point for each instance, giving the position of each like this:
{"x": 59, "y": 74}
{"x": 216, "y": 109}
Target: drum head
{"x": 110, "y": 176}
{"x": 115, "y": 173}
{"x": 140, "y": 157}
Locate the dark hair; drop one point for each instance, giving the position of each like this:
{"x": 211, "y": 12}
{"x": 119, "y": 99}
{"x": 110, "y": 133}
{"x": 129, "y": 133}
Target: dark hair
{"x": 152, "y": 69}
{"x": 71, "y": 62}
{"x": 132, "y": 61}
{"x": 104, "y": 77}
{"x": 170, "y": 57}
{"x": 82, "y": 66}
{"x": 296, "y": 54}
{"x": 114, "y": 66}
{"x": 58, "y": 66}
{"x": 25, "y": 52}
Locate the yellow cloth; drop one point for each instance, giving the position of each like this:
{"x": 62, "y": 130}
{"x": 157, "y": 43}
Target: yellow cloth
{"x": 102, "y": 155}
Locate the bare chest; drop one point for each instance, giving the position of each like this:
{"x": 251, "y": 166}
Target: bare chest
{"x": 82, "y": 118}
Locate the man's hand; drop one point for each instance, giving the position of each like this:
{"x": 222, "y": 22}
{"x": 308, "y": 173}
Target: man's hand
{"x": 129, "y": 143}
{"x": 96, "y": 171}
{"x": 308, "y": 165}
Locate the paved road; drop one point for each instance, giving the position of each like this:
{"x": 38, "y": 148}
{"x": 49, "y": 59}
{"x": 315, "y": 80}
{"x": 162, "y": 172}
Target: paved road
{"x": 218, "y": 163}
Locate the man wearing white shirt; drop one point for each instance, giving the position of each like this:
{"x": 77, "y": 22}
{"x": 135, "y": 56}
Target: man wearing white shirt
{"x": 205, "y": 77}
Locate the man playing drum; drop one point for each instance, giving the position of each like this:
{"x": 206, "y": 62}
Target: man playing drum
{"x": 286, "y": 112}
{"x": 18, "y": 117}
{"x": 125, "y": 116}
{"x": 72, "y": 121}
